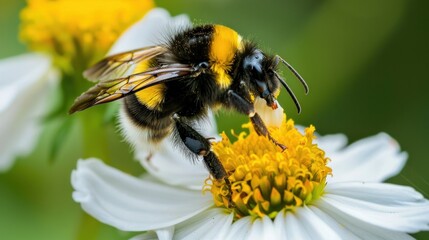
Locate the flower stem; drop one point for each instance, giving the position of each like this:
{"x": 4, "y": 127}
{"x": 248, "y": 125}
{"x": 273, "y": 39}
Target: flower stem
{"x": 95, "y": 144}
{"x": 95, "y": 136}
{"x": 94, "y": 141}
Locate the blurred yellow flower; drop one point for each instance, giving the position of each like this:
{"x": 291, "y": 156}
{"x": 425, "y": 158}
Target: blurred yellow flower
{"x": 72, "y": 35}
{"x": 77, "y": 32}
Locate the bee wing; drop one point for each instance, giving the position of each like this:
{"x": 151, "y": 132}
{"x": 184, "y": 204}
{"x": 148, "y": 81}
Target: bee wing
{"x": 110, "y": 90}
{"x": 117, "y": 65}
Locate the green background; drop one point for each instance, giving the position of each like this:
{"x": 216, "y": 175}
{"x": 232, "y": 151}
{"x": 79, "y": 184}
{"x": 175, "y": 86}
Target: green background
{"x": 366, "y": 63}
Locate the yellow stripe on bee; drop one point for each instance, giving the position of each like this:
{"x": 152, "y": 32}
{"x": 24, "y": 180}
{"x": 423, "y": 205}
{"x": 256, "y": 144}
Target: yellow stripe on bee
{"x": 152, "y": 96}
{"x": 225, "y": 43}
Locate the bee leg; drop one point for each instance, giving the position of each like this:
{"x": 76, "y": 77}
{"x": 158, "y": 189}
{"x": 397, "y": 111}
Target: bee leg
{"x": 241, "y": 104}
{"x": 244, "y": 106}
{"x": 218, "y": 172}
{"x": 200, "y": 146}
{"x": 261, "y": 129}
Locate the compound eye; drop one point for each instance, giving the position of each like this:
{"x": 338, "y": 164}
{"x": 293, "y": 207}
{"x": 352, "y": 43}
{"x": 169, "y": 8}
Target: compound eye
{"x": 253, "y": 64}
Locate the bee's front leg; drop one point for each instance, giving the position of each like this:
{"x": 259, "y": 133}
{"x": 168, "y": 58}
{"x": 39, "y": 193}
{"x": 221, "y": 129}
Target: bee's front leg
{"x": 261, "y": 129}
{"x": 246, "y": 107}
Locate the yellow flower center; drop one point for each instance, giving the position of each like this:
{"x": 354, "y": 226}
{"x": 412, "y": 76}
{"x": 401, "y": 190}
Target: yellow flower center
{"x": 78, "y": 32}
{"x": 264, "y": 180}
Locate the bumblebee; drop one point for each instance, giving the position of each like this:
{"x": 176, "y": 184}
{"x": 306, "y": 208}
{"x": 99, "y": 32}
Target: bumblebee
{"x": 174, "y": 84}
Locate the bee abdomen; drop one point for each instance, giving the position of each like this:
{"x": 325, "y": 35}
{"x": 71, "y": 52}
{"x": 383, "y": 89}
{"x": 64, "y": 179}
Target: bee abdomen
{"x": 149, "y": 125}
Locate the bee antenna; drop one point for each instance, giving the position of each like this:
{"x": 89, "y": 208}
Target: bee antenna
{"x": 291, "y": 94}
{"x": 295, "y": 73}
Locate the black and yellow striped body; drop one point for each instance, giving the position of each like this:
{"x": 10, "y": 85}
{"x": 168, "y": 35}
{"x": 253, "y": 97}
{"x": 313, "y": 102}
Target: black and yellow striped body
{"x": 153, "y": 107}
{"x": 174, "y": 85}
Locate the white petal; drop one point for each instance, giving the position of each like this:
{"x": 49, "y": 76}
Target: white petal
{"x": 262, "y": 229}
{"x": 133, "y": 204}
{"x": 314, "y": 223}
{"x": 373, "y": 159}
{"x": 382, "y": 206}
{"x": 240, "y": 229}
{"x": 383, "y": 193}
{"x": 280, "y": 226}
{"x": 165, "y": 233}
{"x": 350, "y": 229}
{"x": 172, "y": 166}
{"x": 321, "y": 226}
{"x": 330, "y": 224}
{"x": 149, "y": 31}
{"x": 168, "y": 161}
{"x": 160, "y": 234}
{"x": 26, "y": 84}
{"x": 331, "y": 143}
{"x": 270, "y": 117}
{"x": 294, "y": 228}
{"x": 151, "y": 235}
{"x": 211, "y": 224}
{"x": 362, "y": 229}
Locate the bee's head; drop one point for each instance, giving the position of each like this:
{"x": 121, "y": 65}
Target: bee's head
{"x": 264, "y": 81}
{"x": 260, "y": 70}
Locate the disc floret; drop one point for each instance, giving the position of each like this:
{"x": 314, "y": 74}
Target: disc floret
{"x": 264, "y": 180}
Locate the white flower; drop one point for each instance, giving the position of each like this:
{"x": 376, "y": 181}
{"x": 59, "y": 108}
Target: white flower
{"x": 26, "y": 82}
{"x": 354, "y": 204}
{"x": 169, "y": 202}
